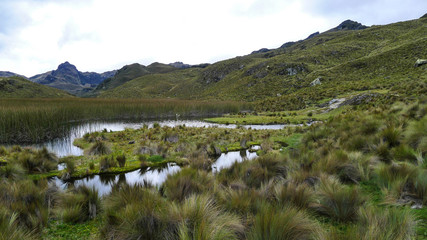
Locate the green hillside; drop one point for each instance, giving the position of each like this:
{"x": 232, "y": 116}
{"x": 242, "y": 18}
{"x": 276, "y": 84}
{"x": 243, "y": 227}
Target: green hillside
{"x": 376, "y": 58}
{"x": 19, "y": 87}
{"x": 130, "y": 72}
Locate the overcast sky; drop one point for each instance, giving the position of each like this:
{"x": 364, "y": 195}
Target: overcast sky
{"x": 101, "y": 35}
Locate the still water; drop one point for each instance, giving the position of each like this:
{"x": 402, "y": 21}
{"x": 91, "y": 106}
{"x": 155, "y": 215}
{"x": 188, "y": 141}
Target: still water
{"x": 64, "y": 146}
{"x": 104, "y": 183}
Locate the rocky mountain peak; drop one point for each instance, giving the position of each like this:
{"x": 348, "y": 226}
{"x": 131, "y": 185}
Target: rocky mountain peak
{"x": 348, "y": 25}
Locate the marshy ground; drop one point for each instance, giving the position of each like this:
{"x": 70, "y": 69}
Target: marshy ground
{"x": 360, "y": 173}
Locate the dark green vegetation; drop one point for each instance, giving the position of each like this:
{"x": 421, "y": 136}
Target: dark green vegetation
{"x": 376, "y": 58}
{"x": 19, "y": 87}
{"x": 38, "y": 120}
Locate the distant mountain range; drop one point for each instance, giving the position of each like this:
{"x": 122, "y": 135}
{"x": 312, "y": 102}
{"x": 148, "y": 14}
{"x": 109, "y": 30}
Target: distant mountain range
{"x": 67, "y": 77}
{"x": 348, "y": 58}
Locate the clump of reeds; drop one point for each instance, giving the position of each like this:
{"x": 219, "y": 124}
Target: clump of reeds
{"x": 186, "y": 182}
{"x": 106, "y": 163}
{"x": 121, "y": 159}
{"x": 337, "y": 201}
{"x": 239, "y": 199}
{"x": 29, "y": 201}
{"x": 137, "y": 212}
{"x": 10, "y": 227}
{"x": 201, "y": 218}
{"x": 12, "y": 171}
{"x": 289, "y": 193}
{"x": 383, "y": 224}
{"x": 416, "y": 135}
{"x": 36, "y": 161}
{"x": 99, "y": 148}
{"x": 79, "y": 205}
{"x": 38, "y": 120}
{"x": 283, "y": 223}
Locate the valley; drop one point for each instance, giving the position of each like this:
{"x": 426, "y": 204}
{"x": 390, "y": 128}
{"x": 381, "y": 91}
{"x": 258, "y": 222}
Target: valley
{"x": 322, "y": 138}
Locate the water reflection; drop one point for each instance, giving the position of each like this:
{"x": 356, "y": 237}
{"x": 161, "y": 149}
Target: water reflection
{"x": 227, "y": 159}
{"x": 64, "y": 146}
{"x": 105, "y": 182}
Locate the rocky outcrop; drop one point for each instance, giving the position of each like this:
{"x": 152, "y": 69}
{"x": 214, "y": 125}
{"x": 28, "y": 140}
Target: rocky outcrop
{"x": 282, "y": 69}
{"x": 312, "y": 35}
{"x": 316, "y": 82}
{"x": 420, "y": 62}
{"x": 262, "y": 50}
{"x": 180, "y": 65}
{"x": 216, "y": 72}
{"x": 348, "y": 25}
{"x": 360, "y": 99}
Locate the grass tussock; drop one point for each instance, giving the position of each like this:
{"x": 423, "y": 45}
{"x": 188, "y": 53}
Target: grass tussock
{"x": 202, "y": 219}
{"x": 79, "y": 205}
{"x": 337, "y": 201}
{"x": 383, "y": 224}
{"x": 284, "y": 223}
{"x": 186, "y": 182}
{"x": 136, "y": 212}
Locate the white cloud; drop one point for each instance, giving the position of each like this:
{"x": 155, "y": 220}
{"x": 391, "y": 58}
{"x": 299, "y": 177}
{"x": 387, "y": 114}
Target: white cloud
{"x": 101, "y": 35}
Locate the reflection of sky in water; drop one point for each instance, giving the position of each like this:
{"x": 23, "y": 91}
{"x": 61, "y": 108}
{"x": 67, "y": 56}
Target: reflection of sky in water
{"x": 156, "y": 177}
{"x": 64, "y": 146}
{"x": 227, "y": 159}
{"x": 104, "y": 183}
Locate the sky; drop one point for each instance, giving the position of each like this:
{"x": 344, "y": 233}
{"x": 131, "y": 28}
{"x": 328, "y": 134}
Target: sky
{"x": 103, "y": 35}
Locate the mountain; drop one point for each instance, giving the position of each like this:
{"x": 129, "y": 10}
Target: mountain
{"x": 68, "y": 78}
{"x": 348, "y": 25}
{"x": 130, "y": 72}
{"x": 9, "y": 74}
{"x": 19, "y": 87}
{"x": 180, "y": 65}
{"x": 346, "y": 59}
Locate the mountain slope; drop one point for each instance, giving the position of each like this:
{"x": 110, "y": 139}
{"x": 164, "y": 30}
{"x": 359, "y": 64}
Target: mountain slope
{"x": 68, "y": 78}
{"x": 130, "y": 72}
{"x": 19, "y": 87}
{"x": 374, "y": 58}
{"x": 9, "y": 74}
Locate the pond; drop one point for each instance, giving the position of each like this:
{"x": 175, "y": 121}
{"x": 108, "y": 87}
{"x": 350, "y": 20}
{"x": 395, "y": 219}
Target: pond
{"x": 64, "y": 146}
{"x": 156, "y": 176}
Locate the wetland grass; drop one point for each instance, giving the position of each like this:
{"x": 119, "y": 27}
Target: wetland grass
{"x": 38, "y": 120}
{"x": 324, "y": 187}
